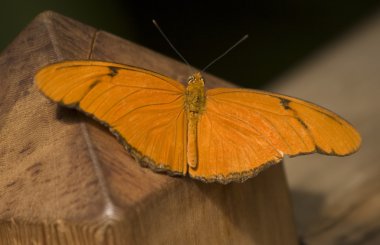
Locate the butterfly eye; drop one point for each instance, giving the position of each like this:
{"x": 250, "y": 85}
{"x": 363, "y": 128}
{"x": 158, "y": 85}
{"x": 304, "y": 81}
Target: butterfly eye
{"x": 190, "y": 79}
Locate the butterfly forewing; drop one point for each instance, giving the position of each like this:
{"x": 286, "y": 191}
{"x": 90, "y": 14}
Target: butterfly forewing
{"x": 241, "y": 131}
{"x": 143, "y": 108}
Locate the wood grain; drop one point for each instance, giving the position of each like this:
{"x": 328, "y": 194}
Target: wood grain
{"x": 337, "y": 200}
{"x": 64, "y": 179}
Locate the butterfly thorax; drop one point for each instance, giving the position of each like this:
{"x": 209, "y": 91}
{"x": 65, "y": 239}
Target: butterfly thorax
{"x": 195, "y": 94}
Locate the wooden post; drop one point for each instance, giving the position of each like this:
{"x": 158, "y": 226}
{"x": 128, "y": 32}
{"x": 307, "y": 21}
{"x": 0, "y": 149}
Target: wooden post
{"x": 64, "y": 179}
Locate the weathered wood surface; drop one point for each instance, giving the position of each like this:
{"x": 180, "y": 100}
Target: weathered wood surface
{"x": 337, "y": 200}
{"x": 64, "y": 179}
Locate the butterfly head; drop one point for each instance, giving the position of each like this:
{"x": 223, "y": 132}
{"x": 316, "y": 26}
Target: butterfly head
{"x": 196, "y": 80}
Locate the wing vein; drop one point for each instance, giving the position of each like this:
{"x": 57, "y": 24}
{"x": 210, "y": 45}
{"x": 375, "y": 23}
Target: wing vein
{"x": 251, "y": 126}
{"x": 147, "y": 88}
{"x": 147, "y": 105}
{"x": 250, "y": 107}
{"x": 299, "y": 136}
{"x": 292, "y": 100}
{"x": 295, "y": 116}
{"x": 118, "y": 102}
{"x": 130, "y": 68}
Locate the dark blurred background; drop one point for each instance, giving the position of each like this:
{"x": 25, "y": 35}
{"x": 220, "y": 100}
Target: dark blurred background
{"x": 282, "y": 33}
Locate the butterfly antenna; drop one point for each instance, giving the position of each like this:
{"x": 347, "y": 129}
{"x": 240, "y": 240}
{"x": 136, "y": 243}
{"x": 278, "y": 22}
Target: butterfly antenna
{"x": 226, "y": 52}
{"x": 172, "y": 46}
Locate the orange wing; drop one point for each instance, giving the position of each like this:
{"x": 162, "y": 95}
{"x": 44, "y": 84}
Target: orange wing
{"x": 143, "y": 108}
{"x": 243, "y": 131}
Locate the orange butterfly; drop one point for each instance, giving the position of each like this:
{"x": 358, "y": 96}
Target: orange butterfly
{"x": 222, "y": 134}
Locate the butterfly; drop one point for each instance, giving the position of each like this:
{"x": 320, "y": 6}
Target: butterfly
{"x": 215, "y": 135}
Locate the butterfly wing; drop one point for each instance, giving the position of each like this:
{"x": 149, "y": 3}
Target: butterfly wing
{"x": 143, "y": 108}
{"x": 242, "y": 131}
